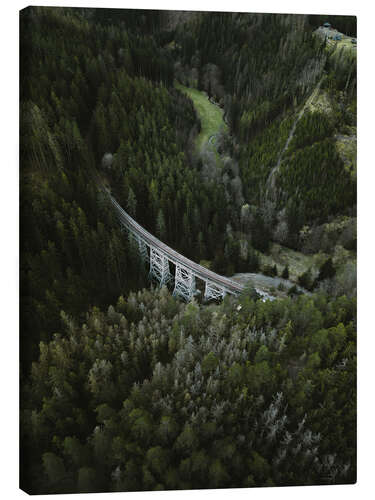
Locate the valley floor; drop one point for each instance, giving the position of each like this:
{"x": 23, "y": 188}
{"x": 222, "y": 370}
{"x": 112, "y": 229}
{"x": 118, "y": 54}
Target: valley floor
{"x": 210, "y": 115}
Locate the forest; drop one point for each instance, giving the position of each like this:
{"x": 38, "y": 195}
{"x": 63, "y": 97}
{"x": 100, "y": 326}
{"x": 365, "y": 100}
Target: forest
{"x": 123, "y": 386}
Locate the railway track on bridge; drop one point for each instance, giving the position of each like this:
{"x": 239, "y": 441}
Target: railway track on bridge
{"x": 187, "y": 271}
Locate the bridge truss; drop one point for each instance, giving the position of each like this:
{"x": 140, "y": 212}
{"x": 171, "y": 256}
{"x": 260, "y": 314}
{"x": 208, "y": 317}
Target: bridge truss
{"x": 160, "y": 256}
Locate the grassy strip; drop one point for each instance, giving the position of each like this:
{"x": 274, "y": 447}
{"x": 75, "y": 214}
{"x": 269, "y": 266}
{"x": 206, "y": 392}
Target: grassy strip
{"x": 210, "y": 115}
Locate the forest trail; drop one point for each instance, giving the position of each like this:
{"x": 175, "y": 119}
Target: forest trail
{"x": 270, "y": 185}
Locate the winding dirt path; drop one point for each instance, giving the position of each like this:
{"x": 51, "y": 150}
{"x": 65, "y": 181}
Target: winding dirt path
{"x": 270, "y": 185}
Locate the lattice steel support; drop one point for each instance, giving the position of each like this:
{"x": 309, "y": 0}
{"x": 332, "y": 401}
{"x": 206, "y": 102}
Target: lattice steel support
{"x": 159, "y": 267}
{"x": 138, "y": 242}
{"x": 143, "y": 249}
{"x": 184, "y": 282}
{"x": 213, "y": 292}
{"x": 132, "y": 239}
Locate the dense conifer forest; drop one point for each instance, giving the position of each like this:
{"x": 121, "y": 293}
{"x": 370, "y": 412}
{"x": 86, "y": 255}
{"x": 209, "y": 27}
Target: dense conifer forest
{"x": 123, "y": 386}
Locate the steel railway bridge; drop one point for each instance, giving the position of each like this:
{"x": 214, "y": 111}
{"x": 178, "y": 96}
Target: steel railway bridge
{"x": 160, "y": 256}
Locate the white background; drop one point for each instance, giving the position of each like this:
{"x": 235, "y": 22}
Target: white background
{"x": 9, "y": 232}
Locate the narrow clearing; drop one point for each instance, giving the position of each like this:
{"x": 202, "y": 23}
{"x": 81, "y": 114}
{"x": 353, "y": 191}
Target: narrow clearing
{"x": 210, "y": 115}
{"x": 272, "y": 177}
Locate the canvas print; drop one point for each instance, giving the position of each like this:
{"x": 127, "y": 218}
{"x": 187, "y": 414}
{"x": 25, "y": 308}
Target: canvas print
{"x": 187, "y": 251}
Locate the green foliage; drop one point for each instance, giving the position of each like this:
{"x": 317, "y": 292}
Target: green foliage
{"x": 305, "y": 280}
{"x": 209, "y": 363}
{"x": 54, "y": 467}
{"x": 246, "y": 397}
{"x": 324, "y": 186}
{"x": 280, "y": 65}
{"x": 72, "y": 252}
{"x": 270, "y": 270}
{"x": 211, "y": 116}
{"x": 131, "y": 205}
{"x": 153, "y": 393}
{"x": 313, "y": 127}
{"x": 294, "y": 291}
{"x": 326, "y": 270}
{"x": 285, "y": 273}
{"x": 86, "y": 480}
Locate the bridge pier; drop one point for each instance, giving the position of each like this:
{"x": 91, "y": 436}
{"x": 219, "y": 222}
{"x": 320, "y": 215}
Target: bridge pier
{"x": 184, "y": 282}
{"x": 143, "y": 250}
{"x": 213, "y": 292}
{"x": 159, "y": 267}
{"x": 160, "y": 256}
{"x": 136, "y": 240}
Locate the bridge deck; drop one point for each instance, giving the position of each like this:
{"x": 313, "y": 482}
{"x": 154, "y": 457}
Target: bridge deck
{"x": 175, "y": 257}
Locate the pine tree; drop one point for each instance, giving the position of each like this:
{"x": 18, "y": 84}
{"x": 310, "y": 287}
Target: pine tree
{"x": 161, "y": 229}
{"x": 285, "y": 273}
{"x": 326, "y": 270}
{"x": 131, "y": 204}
